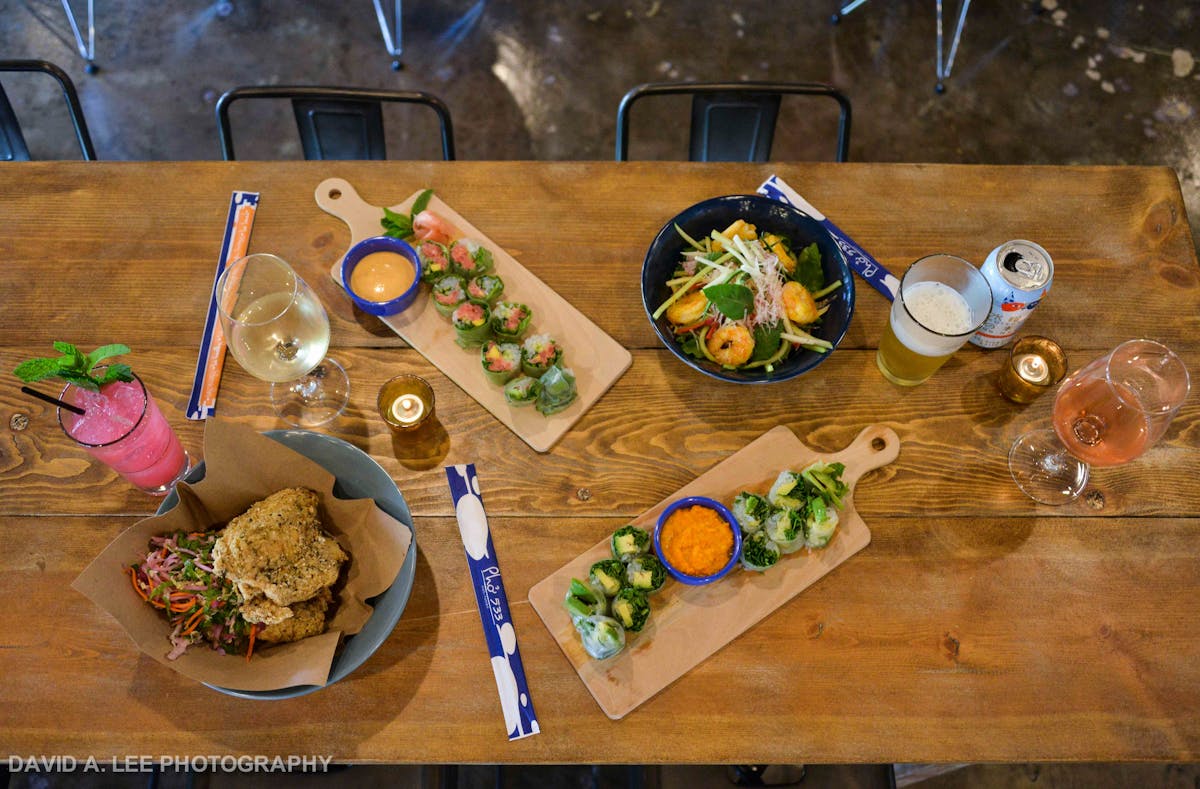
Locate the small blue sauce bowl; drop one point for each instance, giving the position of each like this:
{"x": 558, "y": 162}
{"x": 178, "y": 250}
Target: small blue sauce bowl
{"x": 726, "y": 516}
{"x": 382, "y": 244}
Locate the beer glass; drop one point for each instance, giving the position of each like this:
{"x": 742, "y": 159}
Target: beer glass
{"x": 942, "y": 301}
{"x": 279, "y": 332}
{"x": 1106, "y": 413}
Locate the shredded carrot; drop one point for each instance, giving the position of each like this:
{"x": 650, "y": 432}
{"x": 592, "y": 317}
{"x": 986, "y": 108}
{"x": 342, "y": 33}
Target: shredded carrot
{"x": 191, "y": 624}
{"x": 137, "y": 587}
{"x": 250, "y": 649}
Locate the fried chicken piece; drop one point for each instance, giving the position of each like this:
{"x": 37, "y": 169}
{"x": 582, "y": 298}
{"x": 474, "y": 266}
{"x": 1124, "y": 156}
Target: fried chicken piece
{"x": 258, "y": 609}
{"x": 277, "y": 549}
{"x": 307, "y": 619}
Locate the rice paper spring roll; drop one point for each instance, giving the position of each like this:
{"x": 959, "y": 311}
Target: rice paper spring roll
{"x": 448, "y": 293}
{"x": 788, "y": 491}
{"x": 471, "y": 324}
{"x": 629, "y": 542}
{"x": 584, "y": 599}
{"x": 759, "y": 552}
{"x": 501, "y": 361}
{"x": 510, "y": 319}
{"x": 631, "y": 608}
{"x": 522, "y": 390}
{"x": 487, "y": 288}
{"x": 609, "y": 575}
{"x": 750, "y": 510}
{"x": 786, "y": 529}
{"x": 539, "y": 353}
{"x": 435, "y": 261}
{"x": 558, "y": 390}
{"x": 470, "y": 258}
{"x": 601, "y": 636}
{"x": 646, "y": 572}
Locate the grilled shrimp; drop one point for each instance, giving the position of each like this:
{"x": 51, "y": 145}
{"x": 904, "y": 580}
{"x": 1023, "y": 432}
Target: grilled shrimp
{"x": 731, "y": 345}
{"x": 688, "y": 309}
{"x": 799, "y": 304}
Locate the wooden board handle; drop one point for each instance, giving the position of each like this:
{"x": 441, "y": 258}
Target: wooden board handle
{"x": 873, "y": 448}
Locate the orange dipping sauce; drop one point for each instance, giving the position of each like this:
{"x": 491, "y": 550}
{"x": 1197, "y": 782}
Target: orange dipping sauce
{"x": 696, "y": 541}
{"x": 382, "y": 276}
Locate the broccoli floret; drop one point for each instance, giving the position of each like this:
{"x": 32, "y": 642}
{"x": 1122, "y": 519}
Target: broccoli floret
{"x": 628, "y": 542}
{"x": 825, "y": 479}
{"x": 631, "y": 608}
{"x": 750, "y": 510}
{"x": 759, "y": 552}
{"x": 609, "y": 575}
{"x": 646, "y": 573}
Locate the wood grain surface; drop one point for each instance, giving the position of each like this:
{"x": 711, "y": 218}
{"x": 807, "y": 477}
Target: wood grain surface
{"x": 976, "y": 626}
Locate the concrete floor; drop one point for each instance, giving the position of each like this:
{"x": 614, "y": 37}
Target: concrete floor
{"x": 1059, "y": 82}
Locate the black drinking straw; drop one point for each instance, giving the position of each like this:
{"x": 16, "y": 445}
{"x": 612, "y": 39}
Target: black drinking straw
{"x": 41, "y": 396}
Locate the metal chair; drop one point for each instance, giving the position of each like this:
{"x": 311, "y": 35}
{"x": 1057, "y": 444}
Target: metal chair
{"x": 732, "y": 121}
{"x": 337, "y": 123}
{"x": 12, "y": 141}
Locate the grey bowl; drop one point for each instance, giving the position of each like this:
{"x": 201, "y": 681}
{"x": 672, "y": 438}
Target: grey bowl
{"x": 357, "y": 477}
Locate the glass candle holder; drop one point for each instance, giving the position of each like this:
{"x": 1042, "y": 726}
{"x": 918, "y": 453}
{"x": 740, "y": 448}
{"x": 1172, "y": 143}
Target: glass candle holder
{"x": 406, "y": 402}
{"x": 1034, "y": 365}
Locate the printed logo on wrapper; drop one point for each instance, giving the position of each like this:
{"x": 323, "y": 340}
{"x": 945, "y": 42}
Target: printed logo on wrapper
{"x": 866, "y": 266}
{"x": 519, "y": 717}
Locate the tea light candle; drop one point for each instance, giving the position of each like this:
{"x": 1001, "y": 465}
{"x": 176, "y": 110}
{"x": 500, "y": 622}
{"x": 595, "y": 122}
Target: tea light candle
{"x": 1032, "y": 368}
{"x": 1034, "y": 365}
{"x": 408, "y": 409}
{"x": 405, "y": 402}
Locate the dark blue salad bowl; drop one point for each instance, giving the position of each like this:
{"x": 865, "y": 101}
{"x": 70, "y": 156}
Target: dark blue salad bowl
{"x": 769, "y": 216}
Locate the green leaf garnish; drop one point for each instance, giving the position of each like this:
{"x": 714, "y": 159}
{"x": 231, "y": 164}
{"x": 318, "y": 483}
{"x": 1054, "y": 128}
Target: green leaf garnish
{"x": 767, "y": 340}
{"x": 422, "y": 202}
{"x": 733, "y": 301}
{"x": 76, "y": 367}
{"x": 809, "y": 272}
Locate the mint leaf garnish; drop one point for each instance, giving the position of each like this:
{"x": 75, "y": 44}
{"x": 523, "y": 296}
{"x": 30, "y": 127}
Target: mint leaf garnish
{"x": 734, "y": 301}
{"x": 395, "y": 224}
{"x": 76, "y": 367}
{"x": 422, "y": 202}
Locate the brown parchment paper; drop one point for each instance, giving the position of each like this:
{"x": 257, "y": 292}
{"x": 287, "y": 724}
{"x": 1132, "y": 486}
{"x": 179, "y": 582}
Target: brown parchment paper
{"x": 241, "y": 467}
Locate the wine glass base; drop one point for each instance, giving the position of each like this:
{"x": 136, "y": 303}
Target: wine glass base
{"x": 314, "y": 400}
{"x": 1044, "y": 470}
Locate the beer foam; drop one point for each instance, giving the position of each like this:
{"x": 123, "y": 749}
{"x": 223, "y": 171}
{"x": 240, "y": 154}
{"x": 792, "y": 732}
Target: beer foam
{"x": 938, "y": 308}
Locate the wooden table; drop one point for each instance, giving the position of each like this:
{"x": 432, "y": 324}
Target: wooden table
{"x": 976, "y": 626}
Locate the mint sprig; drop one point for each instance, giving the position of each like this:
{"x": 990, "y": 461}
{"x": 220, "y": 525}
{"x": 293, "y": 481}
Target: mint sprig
{"x": 76, "y": 367}
{"x": 399, "y": 225}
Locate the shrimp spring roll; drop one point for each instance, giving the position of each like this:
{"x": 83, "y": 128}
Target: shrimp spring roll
{"x": 538, "y": 354}
{"x": 501, "y": 361}
{"x": 487, "y": 288}
{"x": 510, "y": 320}
{"x": 448, "y": 293}
{"x": 522, "y": 391}
{"x": 558, "y": 390}
{"x": 435, "y": 260}
{"x": 470, "y": 321}
{"x": 470, "y": 258}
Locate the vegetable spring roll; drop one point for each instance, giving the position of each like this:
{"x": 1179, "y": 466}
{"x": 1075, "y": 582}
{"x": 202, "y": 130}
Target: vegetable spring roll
{"x": 631, "y": 608}
{"x": 759, "y": 552}
{"x": 538, "y": 354}
{"x": 501, "y": 361}
{"x": 522, "y": 390}
{"x": 435, "y": 261}
{"x": 558, "y": 390}
{"x": 510, "y": 320}
{"x": 447, "y": 294}
{"x": 470, "y": 258}
{"x": 609, "y": 575}
{"x": 786, "y": 529}
{"x": 750, "y": 510}
{"x": 646, "y": 573}
{"x": 602, "y": 636}
{"x": 470, "y": 321}
{"x": 584, "y": 599}
{"x": 629, "y": 542}
{"x": 486, "y": 288}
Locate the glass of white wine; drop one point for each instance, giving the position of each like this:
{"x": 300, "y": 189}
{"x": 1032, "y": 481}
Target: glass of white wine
{"x": 278, "y": 331}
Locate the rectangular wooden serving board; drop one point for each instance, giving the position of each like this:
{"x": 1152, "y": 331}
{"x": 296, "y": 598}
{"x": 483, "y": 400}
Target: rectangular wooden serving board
{"x": 596, "y": 359}
{"x": 689, "y": 623}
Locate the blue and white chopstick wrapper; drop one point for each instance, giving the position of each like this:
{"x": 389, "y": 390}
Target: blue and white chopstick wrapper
{"x": 203, "y": 402}
{"x": 493, "y": 603}
{"x": 867, "y": 267}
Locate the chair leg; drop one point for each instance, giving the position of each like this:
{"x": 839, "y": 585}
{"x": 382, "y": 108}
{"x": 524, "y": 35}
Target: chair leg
{"x": 87, "y": 50}
{"x": 391, "y": 33}
{"x": 943, "y": 69}
{"x": 847, "y": 8}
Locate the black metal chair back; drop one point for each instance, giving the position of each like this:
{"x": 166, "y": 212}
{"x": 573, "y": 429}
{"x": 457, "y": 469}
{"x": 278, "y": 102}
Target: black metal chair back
{"x": 12, "y": 140}
{"x": 337, "y": 123}
{"x": 733, "y": 121}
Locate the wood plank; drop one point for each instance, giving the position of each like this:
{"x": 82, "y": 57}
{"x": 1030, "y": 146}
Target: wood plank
{"x": 583, "y": 228}
{"x": 647, "y": 437}
{"x": 973, "y": 639}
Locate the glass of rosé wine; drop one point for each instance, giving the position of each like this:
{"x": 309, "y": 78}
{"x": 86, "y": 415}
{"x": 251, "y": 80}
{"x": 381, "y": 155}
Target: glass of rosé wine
{"x": 1106, "y": 413}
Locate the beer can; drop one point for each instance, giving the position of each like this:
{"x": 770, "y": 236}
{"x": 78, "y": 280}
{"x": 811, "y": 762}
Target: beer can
{"x": 1019, "y": 273}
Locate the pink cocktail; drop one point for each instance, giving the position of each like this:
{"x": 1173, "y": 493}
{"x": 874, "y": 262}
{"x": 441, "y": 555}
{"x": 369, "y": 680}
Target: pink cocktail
{"x": 122, "y": 427}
